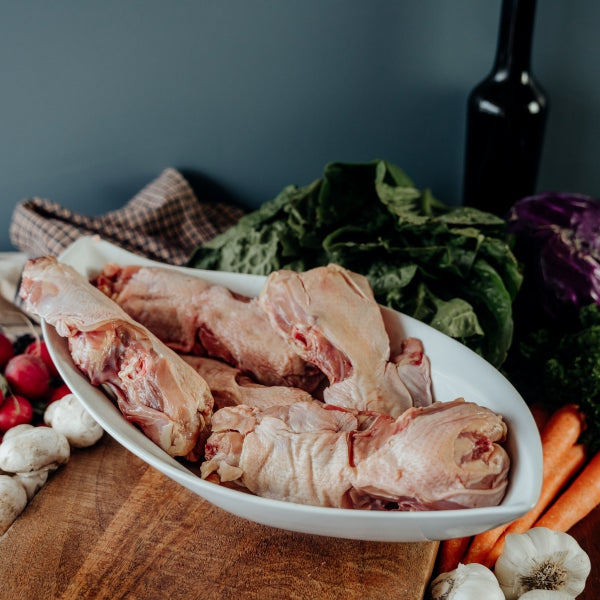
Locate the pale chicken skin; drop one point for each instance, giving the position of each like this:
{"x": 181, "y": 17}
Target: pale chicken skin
{"x": 334, "y": 322}
{"x": 154, "y": 387}
{"x": 444, "y": 456}
{"x": 193, "y": 316}
{"x": 230, "y": 387}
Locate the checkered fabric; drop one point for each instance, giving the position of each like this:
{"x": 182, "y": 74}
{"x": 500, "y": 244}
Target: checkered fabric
{"x": 164, "y": 221}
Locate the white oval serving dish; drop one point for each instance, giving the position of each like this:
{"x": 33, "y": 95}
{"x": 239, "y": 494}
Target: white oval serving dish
{"x": 456, "y": 372}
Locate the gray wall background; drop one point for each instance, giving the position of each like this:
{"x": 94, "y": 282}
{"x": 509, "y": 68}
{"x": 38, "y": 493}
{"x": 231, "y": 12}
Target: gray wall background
{"x": 96, "y": 99}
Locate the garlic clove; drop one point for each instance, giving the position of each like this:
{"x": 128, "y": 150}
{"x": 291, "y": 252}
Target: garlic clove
{"x": 542, "y": 559}
{"x": 466, "y": 582}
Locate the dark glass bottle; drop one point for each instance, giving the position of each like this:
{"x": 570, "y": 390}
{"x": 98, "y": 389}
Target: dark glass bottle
{"x": 506, "y": 118}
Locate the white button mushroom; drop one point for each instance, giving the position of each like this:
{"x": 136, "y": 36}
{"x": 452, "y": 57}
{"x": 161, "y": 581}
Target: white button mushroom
{"x": 32, "y": 481}
{"x": 16, "y": 430}
{"x": 13, "y": 499}
{"x": 33, "y": 449}
{"x": 68, "y": 416}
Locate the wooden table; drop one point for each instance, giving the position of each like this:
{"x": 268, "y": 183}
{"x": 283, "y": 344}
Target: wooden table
{"x": 107, "y": 525}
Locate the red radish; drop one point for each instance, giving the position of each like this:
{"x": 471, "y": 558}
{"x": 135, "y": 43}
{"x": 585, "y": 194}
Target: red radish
{"x": 6, "y": 350}
{"x": 15, "y": 410}
{"x": 59, "y": 392}
{"x": 28, "y": 376}
{"x": 39, "y": 348}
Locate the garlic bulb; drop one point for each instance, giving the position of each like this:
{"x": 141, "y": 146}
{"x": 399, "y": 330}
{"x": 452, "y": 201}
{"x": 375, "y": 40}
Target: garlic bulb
{"x": 545, "y": 595}
{"x": 466, "y": 582}
{"x": 542, "y": 559}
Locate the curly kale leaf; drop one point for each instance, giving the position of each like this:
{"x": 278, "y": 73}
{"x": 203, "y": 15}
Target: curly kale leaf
{"x": 556, "y": 366}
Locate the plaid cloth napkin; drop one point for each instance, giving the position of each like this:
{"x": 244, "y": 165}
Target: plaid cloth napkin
{"x": 164, "y": 221}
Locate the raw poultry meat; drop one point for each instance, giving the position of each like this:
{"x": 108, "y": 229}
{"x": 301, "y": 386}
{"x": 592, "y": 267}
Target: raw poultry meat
{"x": 332, "y": 318}
{"x": 154, "y": 387}
{"x": 230, "y": 387}
{"x": 194, "y": 316}
{"x": 443, "y": 456}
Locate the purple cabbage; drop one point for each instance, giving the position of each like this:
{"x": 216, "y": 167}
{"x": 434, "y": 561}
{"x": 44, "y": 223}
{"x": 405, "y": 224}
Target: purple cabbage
{"x": 558, "y": 240}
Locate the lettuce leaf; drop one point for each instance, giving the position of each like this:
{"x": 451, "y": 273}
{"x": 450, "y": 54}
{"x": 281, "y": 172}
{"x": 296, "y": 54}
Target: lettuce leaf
{"x": 452, "y": 268}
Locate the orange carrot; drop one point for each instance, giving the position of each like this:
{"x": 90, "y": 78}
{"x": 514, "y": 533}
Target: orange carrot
{"x": 451, "y": 552}
{"x": 577, "y": 501}
{"x": 560, "y": 433}
{"x": 482, "y": 543}
{"x": 554, "y": 482}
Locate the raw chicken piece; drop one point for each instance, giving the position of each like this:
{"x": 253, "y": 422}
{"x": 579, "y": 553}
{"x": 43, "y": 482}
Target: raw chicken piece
{"x": 230, "y": 387}
{"x": 153, "y": 386}
{"x": 331, "y": 316}
{"x": 442, "y": 456}
{"x": 194, "y": 316}
{"x": 297, "y": 453}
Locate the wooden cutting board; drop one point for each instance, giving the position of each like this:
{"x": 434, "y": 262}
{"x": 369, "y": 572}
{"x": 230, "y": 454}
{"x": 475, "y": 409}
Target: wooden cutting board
{"x": 109, "y": 526}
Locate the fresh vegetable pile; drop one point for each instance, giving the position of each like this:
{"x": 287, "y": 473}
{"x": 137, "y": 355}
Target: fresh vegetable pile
{"x": 40, "y": 421}
{"x": 555, "y": 364}
{"x": 536, "y": 565}
{"x": 29, "y": 381}
{"x": 448, "y": 267}
{"x": 555, "y": 357}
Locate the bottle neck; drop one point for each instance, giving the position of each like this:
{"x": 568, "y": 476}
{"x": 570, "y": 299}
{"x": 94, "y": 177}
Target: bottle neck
{"x": 513, "y": 53}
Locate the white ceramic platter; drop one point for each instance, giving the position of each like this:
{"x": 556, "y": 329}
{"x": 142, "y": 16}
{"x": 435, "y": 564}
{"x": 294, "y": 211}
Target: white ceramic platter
{"x": 456, "y": 371}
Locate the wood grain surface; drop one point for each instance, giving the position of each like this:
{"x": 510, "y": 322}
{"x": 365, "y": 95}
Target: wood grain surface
{"x": 109, "y": 526}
